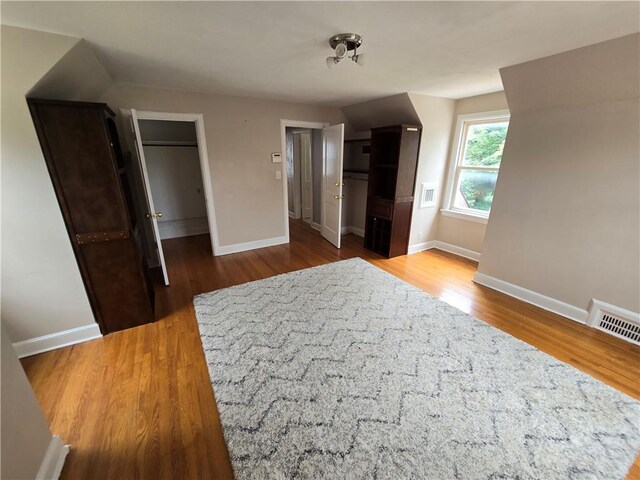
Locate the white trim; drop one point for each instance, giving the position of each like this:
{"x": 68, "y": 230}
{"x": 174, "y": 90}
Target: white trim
{"x": 183, "y": 227}
{"x": 420, "y": 247}
{"x": 315, "y": 226}
{"x": 456, "y": 147}
{"x": 243, "y": 247}
{"x": 469, "y": 217}
{"x": 346, "y": 230}
{"x": 456, "y": 250}
{"x": 53, "y": 461}
{"x": 198, "y": 119}
{"x": 283, "y": 166}
{"x": 32, "y": 346}
{"x": 445, "y": 247}
{"x": 597, "y": 307}
{"x": 292, "y": 214}
{"x": 534, "y": 298}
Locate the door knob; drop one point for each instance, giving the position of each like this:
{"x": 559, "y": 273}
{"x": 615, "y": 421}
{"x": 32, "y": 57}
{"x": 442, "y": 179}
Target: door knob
{"x": 154, "y": 215}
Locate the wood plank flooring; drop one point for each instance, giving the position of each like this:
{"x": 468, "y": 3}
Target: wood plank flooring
{"x": 138, "y": 404}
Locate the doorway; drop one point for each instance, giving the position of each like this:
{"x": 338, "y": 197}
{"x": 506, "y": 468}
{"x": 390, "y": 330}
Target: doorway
{"x": 177, "y": 197}
{"x": 173, "y": 165}
{"x": 304, "y": 173}
{"x": 324, "y": 202}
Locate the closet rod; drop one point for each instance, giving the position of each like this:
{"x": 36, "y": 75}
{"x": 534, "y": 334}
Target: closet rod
{"x": 356, "y": 178}
{"x": 163, "y": 143}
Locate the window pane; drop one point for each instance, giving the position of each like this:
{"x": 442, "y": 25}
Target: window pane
{"x": 475, "y": 190}
{"x": 485, "y": 142}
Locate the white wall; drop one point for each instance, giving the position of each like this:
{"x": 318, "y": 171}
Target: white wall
{"x": 565, "y": 220}
{"x": 78, "y": 75}
{"x": 42, "y": 291}
{"x": 436, "y": 116}
{"x": 241, "y": 134}
{"x": 455, "y": 231}
{"x": 176, "y": 183}
{"x": 25, "y": 432}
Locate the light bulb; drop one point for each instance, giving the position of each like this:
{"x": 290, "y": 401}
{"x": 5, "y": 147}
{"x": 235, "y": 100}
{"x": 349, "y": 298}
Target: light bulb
{"x": 331, "y": 61}
{"x": 359, "y": 59}
{"x": 341, "y": 50}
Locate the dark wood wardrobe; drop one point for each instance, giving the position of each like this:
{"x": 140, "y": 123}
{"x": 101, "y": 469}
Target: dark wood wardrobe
{"x": 83, "y": 155}
{"x": 392, "y": 178}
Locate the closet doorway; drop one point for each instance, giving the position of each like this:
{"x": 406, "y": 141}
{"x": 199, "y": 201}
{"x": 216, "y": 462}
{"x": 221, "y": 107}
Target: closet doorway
{"x": 176, "y": 181}
{"x": 304, "y": 174}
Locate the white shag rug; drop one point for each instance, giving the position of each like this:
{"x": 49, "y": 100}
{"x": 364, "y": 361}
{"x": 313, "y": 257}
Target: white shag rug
{"x": 346, "y": 372}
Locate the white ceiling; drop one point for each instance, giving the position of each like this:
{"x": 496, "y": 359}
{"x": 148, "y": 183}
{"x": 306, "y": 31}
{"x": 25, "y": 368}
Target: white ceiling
{"x": 277, "y": 49}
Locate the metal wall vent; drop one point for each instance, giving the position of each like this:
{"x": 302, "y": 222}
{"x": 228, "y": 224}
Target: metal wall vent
{"x": 615, "y": 321}
{"x": 428, "y": 195}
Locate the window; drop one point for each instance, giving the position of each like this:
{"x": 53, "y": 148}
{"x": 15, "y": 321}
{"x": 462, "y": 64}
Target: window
{"x": 476, "y": 157}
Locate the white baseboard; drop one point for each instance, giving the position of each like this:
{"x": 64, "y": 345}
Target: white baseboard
{"x": 53, "y": 460}
{"x": 32, "y": 346}
{"x": 462, "y": 252}
{"x": 534, "y": 298}
{"x": 315, "y": 226}
{"x": 243, "y": 247}
{"x": 292, "y": 214}
{"x": 183, "y": 227}
{"x": 420, "y": 247}
{"x": 446, "y": 247}
{"x": 349, "y": 229}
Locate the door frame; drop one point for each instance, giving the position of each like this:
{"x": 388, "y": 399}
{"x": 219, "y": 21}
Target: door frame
{"x": 283, "y": 167}
{"x": 198, "y": 120}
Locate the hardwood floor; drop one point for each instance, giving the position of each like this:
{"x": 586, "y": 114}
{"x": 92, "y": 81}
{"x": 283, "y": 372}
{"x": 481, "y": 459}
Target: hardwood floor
{"x": 138, "y": 403}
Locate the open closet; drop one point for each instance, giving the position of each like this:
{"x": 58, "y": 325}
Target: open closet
{"x": 174, "y": 191}
{"x": 173, "y": 166}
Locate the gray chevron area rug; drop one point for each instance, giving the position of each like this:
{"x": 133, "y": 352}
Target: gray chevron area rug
{"x": 345, "y": 372}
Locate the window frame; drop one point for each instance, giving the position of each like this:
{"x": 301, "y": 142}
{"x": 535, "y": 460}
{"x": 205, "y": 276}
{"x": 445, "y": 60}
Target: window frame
{"x": 455, "y": 163}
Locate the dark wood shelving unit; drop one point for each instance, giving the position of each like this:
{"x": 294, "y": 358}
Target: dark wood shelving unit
{"x": 392, "y": 176}
{"x": 82, "y": 151}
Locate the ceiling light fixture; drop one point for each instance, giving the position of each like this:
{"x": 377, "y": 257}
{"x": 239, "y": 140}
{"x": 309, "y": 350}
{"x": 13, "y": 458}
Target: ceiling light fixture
{"x": 343, "y": 43}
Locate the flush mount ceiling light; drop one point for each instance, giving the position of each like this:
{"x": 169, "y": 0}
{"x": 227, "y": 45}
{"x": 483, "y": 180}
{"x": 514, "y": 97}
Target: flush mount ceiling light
{"x": 343, "y": 43}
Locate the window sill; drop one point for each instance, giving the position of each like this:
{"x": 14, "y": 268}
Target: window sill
{"x": 470, "y": 217}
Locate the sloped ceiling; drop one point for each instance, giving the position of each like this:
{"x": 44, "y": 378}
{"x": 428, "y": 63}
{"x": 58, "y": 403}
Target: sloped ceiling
{"x": 76, "y": 76}
{"x": 277, "y": 50}
{"x": 393, "y": 110}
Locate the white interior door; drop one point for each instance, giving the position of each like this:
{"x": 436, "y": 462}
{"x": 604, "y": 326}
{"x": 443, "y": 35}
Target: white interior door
{"x": 151, "y": 214}
{"x": 333, "y": 146}
{"x": 306, "y": 177}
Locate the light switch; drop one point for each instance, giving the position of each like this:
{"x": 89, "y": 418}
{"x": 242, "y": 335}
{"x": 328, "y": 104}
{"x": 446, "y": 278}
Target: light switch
{"x": 278, "y": 174}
